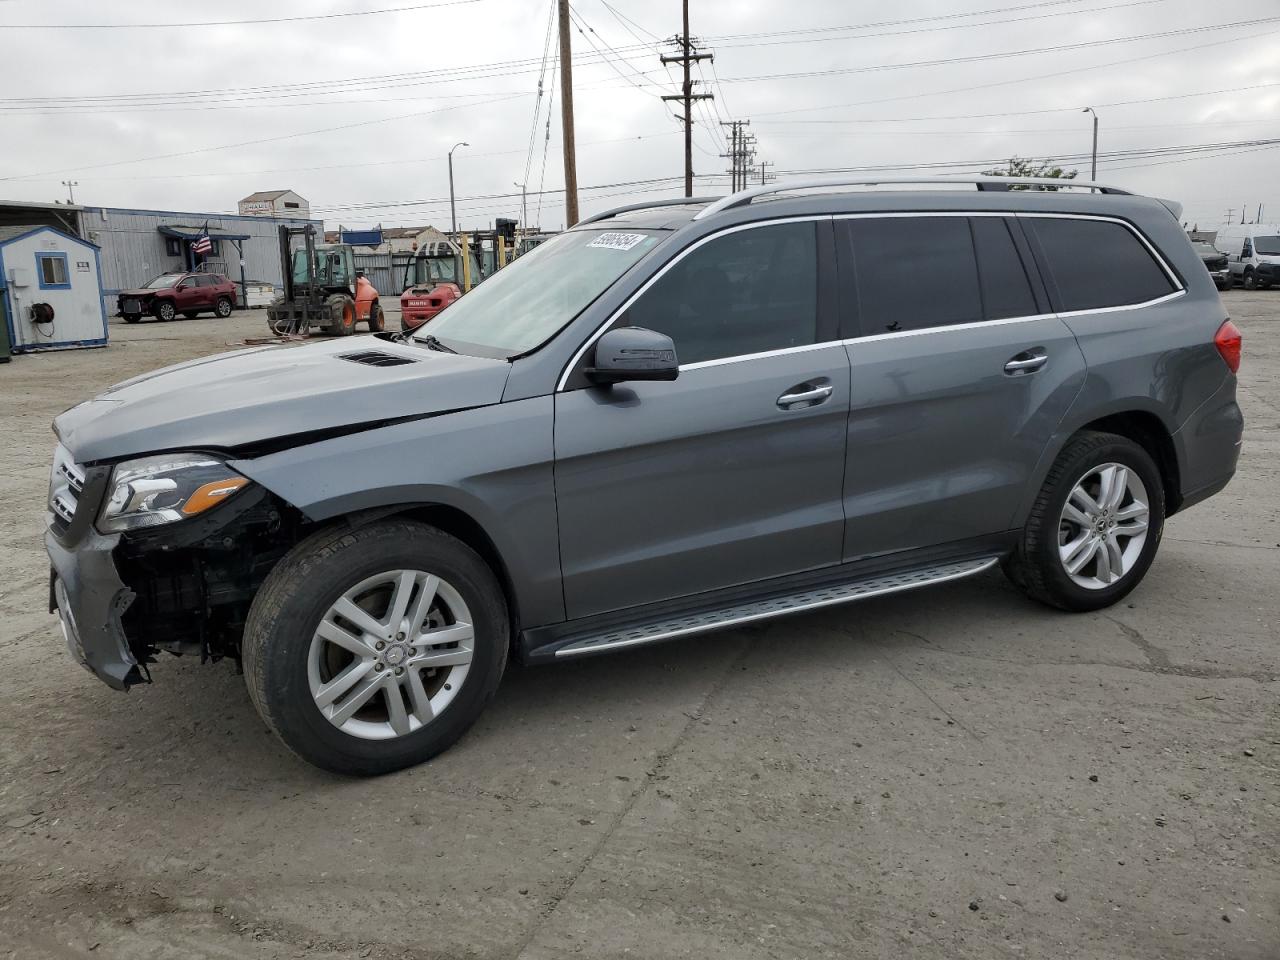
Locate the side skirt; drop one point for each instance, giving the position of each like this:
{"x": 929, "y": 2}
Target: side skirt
{"x": 728, "y": 608}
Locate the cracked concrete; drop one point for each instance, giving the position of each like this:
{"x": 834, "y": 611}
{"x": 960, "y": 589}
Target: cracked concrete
{"x": 841, "y": 784}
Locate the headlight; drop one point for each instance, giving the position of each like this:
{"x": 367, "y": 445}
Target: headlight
{"x": 151, "y": 491}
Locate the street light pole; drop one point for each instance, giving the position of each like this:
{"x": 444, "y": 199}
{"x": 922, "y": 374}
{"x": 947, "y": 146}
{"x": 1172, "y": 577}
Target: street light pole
{"x": 524, "y": 207}
{"x": 453, "y": 210}
{"x": 1093, "y": 172}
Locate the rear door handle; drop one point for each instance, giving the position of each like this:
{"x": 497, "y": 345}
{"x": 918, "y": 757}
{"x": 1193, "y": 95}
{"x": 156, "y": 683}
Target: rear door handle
{"x": 1029, "y": 361}
{"x": 808, "y": 394}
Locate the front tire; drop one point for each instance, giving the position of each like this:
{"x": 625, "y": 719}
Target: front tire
{"x": 373, "y": 649}
{"x": 223, "y": 307}
{"x": 1250, "y": 280}
{"x": 1095, "y": 526}
{"x": 342, "y": 314}
{"x": 164, "y": 311}
{"x": 377, "y": 319}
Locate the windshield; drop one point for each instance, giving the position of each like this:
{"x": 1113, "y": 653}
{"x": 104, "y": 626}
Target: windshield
{"x": 330, "y": 267}
{"x": 1267, "y": 246}
{"x": 163, "y": 281}
{"x": 436, "y": 270}
{"x": 523, "y": 305}
{"x": 1206, "y": 250}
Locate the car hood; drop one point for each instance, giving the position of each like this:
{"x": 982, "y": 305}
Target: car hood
{"x": 140, "y": 292}
{"x": 268, "y": 396}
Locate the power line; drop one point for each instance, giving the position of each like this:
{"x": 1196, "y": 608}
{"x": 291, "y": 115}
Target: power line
{"x": 1003, "y": 83}
{"x": 986, "y": 57}
{"x": 1022, "y": 113}
{"x": 247, "y": 143}
{"x": 727, "y": 42}
{"x": 233, "y": 23}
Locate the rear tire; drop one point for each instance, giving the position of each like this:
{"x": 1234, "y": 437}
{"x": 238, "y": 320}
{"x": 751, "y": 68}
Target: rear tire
{"x": 1039, "y": 566}
{"x": 286, "y": 676}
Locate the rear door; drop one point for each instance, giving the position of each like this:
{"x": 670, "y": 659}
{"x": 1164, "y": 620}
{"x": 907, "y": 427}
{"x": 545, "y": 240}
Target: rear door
{"x": 732, "y": 473}
{"x": 959, "y": 377}
{"x": 188, "y": 294}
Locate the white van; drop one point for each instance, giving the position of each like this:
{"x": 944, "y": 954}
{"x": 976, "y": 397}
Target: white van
{"x": 1253, "y": 253}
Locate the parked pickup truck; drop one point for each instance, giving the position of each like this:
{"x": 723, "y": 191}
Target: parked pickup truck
{"x": 171, "y": 294}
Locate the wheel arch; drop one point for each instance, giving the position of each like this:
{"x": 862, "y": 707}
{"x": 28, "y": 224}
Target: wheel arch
{"x": 457, "y": 523}
{"x": 1137, "y": 419}
{"x": 1149, "y": 432}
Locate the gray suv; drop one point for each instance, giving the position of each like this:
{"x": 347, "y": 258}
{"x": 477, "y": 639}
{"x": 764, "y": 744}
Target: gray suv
{"x": 672, "y": 418}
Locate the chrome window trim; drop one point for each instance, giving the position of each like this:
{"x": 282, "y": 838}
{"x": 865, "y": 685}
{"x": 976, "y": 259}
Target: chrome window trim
{"x": 1179, "y": 291}
{"x": 590, "y": 341}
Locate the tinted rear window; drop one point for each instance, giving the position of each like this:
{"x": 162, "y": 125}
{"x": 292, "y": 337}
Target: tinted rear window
{"x": 1006, "y": 291}
{"x": 1097, "y": 263}
{"x": 914, "y": 272}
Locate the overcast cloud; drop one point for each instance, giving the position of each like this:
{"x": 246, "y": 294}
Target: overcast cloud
{"x": 437, "y": 63}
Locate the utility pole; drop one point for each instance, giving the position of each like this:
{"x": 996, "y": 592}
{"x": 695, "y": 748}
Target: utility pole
{"x": 764, "y": 175}
{"x": 741, "y": 153}
{"x": 71, "y": 193}
{"x": 686, "y": 57}
{"x": 566, "y": 117}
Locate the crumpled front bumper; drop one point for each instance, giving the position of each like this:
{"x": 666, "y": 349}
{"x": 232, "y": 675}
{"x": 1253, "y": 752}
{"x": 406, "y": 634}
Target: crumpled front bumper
{"x": 89, "y": 597}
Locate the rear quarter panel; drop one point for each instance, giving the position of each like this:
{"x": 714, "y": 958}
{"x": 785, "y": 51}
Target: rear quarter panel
{"x": 1158, "y": 359}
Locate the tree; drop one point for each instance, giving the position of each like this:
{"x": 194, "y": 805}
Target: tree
{"x": 1018, "y": 167}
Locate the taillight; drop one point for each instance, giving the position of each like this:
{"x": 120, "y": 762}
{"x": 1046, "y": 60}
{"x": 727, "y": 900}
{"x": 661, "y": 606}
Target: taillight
{"x": 1228, "y": 341}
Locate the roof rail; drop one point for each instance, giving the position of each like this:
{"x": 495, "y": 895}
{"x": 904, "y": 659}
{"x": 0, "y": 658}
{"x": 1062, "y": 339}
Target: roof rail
{"x": 744, "y": 197}
{"x": 649, "y": 204}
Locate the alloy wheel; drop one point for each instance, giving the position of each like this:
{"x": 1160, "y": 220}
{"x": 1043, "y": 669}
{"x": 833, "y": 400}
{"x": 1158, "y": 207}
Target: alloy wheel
{"x": 390, "y": 654}
{"x": 1103, "y": 526}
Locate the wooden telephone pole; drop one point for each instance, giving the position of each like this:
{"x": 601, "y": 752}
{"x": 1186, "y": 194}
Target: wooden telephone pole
{"x": 566, "y": 116}
{"x": 686, "y": 57}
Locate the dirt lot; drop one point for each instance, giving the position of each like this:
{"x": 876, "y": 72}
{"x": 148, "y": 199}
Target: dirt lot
{"x": 955, "y": 773}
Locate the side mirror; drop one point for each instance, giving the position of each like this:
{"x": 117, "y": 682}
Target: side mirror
{"x": 633, "y": 353}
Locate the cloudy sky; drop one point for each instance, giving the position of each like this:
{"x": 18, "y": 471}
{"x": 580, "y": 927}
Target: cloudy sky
{"x": 357, "y": 112}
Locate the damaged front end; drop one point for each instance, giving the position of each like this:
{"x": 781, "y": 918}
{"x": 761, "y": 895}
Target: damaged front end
{"x": 142, "y": 562}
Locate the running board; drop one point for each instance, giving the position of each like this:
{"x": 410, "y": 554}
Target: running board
{"x": 776, "y": 607}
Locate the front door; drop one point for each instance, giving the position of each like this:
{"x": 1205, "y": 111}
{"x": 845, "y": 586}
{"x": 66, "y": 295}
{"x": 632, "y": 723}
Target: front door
{"x": 959, "y": 378}
{"x": 732, "y": 473}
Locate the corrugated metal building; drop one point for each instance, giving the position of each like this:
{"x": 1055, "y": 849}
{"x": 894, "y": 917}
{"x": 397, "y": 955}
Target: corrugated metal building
{"x": 137, "y": 245}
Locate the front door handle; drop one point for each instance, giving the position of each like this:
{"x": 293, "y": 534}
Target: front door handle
{"x": 1029, "y": 361}
{"x": 807, "y": 394}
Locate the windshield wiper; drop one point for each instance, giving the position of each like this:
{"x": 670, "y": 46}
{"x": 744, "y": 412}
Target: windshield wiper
{"x": 434, "y": 343}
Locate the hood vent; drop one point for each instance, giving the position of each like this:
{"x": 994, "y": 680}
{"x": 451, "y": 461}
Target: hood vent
{"x": 375, "y": 358}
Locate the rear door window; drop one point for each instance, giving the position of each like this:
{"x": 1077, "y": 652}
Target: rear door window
{"x": 914, "y": 272}
{"x": 1098, "y": 263}
{"x": 745, "y": 292}
{"x": 1006, "y": 289}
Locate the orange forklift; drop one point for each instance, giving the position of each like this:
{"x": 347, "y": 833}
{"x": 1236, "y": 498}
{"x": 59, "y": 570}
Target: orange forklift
{"x": 323, "y": 291}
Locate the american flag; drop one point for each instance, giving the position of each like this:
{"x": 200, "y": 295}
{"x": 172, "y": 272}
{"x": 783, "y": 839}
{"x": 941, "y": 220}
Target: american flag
{"x": 202, "y": 244}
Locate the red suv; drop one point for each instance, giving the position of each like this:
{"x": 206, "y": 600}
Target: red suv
{"x": 171, "y": 294}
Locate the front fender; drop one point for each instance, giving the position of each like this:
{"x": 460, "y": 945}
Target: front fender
{"x": 493, "y": 463}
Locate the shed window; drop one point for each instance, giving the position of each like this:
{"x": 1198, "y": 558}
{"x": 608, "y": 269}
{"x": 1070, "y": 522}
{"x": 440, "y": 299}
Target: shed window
{"x": 288, "y": 205}
{"x": 173, "y": 246}
{"x": 52, "y": 269}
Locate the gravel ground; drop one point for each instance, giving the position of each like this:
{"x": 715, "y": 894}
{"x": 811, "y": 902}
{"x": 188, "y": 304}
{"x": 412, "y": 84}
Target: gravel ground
{"x": 954, "y": 773}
